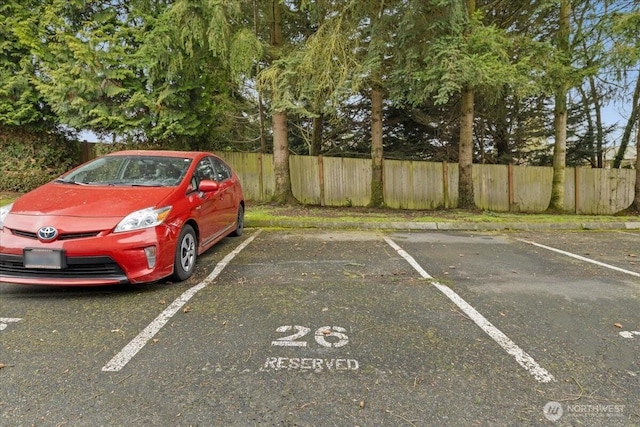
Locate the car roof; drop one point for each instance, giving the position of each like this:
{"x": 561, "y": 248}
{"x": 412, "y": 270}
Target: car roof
{"x": 161, "y": 153}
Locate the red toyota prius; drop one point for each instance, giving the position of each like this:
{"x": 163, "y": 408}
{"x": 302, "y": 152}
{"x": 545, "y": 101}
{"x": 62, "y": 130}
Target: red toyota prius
{"x": 127, "y": 217}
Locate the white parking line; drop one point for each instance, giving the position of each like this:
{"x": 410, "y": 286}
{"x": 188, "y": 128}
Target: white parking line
{"x": 4, "y": 321}
{"x": 581, "y": 258}
{"x": 523, "y": 359}
{"x": 136, "y": 344}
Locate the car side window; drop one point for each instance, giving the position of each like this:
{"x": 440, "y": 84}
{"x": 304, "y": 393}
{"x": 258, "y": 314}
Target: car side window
{"x": 222, "y": 170}
{"x": 204, "y": 170}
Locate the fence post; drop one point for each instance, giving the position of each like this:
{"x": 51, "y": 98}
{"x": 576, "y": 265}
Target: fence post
{"x": 576, "y": 193}
{"x": 321, "y": 179}
{"x": 445, "y": 184}
{"x": 511, "y": 187}
{"x": 260, "y": 177}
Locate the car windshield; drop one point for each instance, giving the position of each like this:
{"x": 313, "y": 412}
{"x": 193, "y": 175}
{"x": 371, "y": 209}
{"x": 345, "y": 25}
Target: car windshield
{"x": 148, "y": 171}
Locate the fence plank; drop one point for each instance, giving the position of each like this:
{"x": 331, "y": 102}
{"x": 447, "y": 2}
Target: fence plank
{"x": 347, "y": 182}
{"x": 305, "y": 179}
{"x": 491, "y": 187}
{"x": 532, "y": 188}
{"x": 604, "y": 191}
{"x": 255, "y": 172}
{"x": 413, "y": 185}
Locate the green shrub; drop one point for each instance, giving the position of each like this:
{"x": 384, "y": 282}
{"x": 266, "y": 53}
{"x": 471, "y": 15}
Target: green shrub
{"x": 29, "y": 160}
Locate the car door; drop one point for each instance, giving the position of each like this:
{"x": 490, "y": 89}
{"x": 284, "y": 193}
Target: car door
{"x": 227, "y": 195}
{"x": 209, "y": 213}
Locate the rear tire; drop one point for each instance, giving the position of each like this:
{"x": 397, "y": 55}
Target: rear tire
{"x": 239, "y": 222}
{"x": 186, "y": 254}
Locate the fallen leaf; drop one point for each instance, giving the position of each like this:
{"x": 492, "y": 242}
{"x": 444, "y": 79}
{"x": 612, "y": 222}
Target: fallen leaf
{"x": 187, "y": 309}
{"x": 618, "y": 325}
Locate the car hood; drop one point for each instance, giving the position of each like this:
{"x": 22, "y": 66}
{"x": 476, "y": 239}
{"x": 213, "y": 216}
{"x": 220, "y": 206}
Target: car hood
{"x": 56, "y": 199}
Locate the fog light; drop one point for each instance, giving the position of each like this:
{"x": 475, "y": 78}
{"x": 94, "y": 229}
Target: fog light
{"x": 150, "y": 253}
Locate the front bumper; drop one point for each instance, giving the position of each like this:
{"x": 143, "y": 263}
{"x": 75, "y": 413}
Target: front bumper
{"x": 100, "y": 259}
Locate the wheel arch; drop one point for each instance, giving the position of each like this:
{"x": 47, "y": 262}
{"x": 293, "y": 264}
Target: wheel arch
{"x": 194, "y": 224}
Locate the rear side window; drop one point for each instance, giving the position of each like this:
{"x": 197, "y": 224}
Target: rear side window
{"x": 222, "y": 171}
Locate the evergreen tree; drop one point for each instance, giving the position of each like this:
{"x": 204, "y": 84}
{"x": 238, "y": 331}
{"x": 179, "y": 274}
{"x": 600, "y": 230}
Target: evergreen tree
{"x": 460, "y": 57}
{"x": 562, "y": 86}
{"x": 138, "y": 70}
{"x": 627, "y": 56}
{"x": 21, "y": 104}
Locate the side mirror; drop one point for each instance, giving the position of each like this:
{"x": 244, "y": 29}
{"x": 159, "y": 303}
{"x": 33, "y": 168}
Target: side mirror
{"x": 208, "y": 186}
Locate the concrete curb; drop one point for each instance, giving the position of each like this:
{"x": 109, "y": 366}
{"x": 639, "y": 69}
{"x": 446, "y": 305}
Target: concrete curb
{"x": 444, "y": 226}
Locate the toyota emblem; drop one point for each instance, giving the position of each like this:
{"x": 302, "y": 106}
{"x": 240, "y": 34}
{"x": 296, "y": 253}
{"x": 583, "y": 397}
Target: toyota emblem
{"x": 47, "y": 234}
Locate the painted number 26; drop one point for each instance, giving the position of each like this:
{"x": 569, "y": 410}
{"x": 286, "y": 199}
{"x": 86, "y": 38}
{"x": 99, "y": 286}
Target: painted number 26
{"x": 336, "y": 333}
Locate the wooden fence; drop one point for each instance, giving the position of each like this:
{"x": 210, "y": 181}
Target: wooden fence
{"x": 334, "y": 181}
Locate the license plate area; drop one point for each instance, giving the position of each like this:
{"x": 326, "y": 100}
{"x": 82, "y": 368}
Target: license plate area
{"x": 52, "y": 259}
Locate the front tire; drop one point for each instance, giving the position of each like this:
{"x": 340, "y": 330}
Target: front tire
{"x": 239, "y": 222}
{"x": 186, "y": 254}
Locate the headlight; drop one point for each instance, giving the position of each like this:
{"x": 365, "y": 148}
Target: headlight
{"x": 144, "y": 218}
{"x": 4, "y": 211}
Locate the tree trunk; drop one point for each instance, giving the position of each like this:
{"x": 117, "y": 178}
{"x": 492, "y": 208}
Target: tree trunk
{"x": 465, "y": 152}
{"x": 502, "y": 133}
{"x": 377, "y": 196}
{"x": 316, "y": 136}
{"x": 635, "y": 206}
{"x": 590, "y": 133}
{"x": 599, "y": 127}
{"x": 282, "y": 193}
{"x": 263, "y": 137}
{"x": 556, "y": 204}
{"x": 466, "y": 199}
{"x": 626, "y": 137}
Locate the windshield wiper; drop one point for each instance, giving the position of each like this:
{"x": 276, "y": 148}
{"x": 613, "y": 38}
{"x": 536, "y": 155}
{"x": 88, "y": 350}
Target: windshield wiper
{"x": 64, "y": 181}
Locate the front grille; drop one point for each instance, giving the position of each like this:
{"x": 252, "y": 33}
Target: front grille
{"x": 66, "y": 236}
{"x": 70, "y": 236}
{"x": 97, "y": 267}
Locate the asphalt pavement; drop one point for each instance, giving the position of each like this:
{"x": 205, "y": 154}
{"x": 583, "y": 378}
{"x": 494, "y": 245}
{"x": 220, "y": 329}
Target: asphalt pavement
{"x": 318, "y": 325}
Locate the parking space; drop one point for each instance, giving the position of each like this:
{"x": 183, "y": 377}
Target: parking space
{"x": 572, "y": 314}
{"x": 339, "y": 328}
